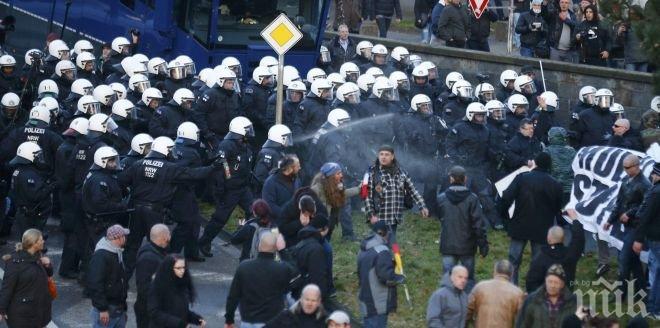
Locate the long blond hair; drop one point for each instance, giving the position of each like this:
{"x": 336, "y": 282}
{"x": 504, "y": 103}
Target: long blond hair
{"x": 29, "y": 239}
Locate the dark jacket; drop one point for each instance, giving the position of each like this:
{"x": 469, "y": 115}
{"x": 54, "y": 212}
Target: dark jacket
{"x": 535, "y": 314}
{"x": 463, "y": 222}
{"x": 258, "y": 289}
{"x": 289, "y": 220}
{"x": 244, "y": 236}
{"x": 387, "y": 8}
{"x": 170, "y": 308}
{"x": 593, "y": 127}
{"x": 556, "y": 26}
{"x": 568, "y": 257}
{"x": 594, "y": 39}
{"x": 454, "y": 23}
{"x": 24, "y": 297}
{"x": 267, "y": 159}
{"x": 480, "y": 27}
{"x": 338, "y": 55}
{"x": 214, "y": 110}
{"x": 149, "y": 257}
{"x": 468, "y": 144}
{"x": 629, "y": 140}
{"x": 649, "y": 216}
{"x": 520, "y": 149}
{"x": 278, "y": 190}
{"x": 294, "y": 317}
{"x": 528, "y": 37}
{"x": 377, "y": 294}
{"x": 106, "y": 279}
{"x": 628, "y": 200}
{"x": 167, "y": 118}
{"x": 538, "y": 198}
{"x": 311, "y": 260}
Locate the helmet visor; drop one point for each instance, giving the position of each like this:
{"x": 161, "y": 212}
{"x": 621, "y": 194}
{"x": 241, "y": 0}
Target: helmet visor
{"x": 352, "y": 98}
{"x": 92, "y": 108}
{"x": 498, "y": 114}
{"x": 487, "y": 95}
{"x": 294, "y": 96}
{"x": 88, "y": 91}
{"x": 237, "y": 69}
{"x": 520, "y": 108}
{"x": 352, "y": 76}
{"x": 366, "y": 52}
{"x": 249, "y": 131}
{"x": 141, "y": 86}
{"x": 287, "y": 140}
{"x": 191, "y": 69}
{"x": 433, "y": 73}
{"x": 528, "y": 88}
{"x": 604, "y": 101}
{"x": 465, "y": 92}
{"x": 403, "y": 85}
{"x": 425, "y": 108}
{"x": 389, "y": 95}
{"x": 69, "y": 74}
{"x": 178, "y": 73}
{"x": 325, "y": 57}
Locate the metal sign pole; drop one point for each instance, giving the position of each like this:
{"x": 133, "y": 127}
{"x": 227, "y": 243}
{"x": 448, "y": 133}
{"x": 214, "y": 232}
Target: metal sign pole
{"x": 280, "y": 89}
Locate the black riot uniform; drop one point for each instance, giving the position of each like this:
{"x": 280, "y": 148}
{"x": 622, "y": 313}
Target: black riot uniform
{"x": 289, "y": 110}
{"x": 90, "y": 76}
{"x": 353, "y": 110}
{"x": 425, "y": 88}
{"x": 122, "y": 136}
{"x": 172, "y": 86}
{"x": 70, "y": 103}
{"x": 360, "y": 61}
{"x": 593, "y": 127}
{"x": 231, "y": 189}
{"x": 141, "y": 116}
{"x": 454, "y": 109}
{"x": 167, "y": 118}
{"x": 185, "y": 211}
{"x": 131, "y": 158}
{"x": 10, "y": 83}
{"x": 268, "y": 159}
{"x": 35, "y": 131}
{"x": 63, "y": 86}
{"x": 214, "y": 110}
{"x": 499, "y": 136}
{"x": 102, "y": 201}
{"x": 255, "y": 103}
{"x": 503, "y": 93}
{"x": 153, "y": 183}
{"x": 109, "y": 67}
{"x": 30, "y": 191}
{"x": 377, "y": 131}
{"x": 312, "y": 112}
{"x": 70, "y": 252}
{"x": 543, "y": 120}
{"x": 513, "y": 123}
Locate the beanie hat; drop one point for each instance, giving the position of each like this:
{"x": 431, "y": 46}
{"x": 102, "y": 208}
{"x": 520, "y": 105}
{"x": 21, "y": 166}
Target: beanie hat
{"x": 558, "y": 271}
{"x": 379, "y": 226}
{"x": 386, "y": 148}
{"x": 116, "y": 232}
{"x": 330, "y": 169}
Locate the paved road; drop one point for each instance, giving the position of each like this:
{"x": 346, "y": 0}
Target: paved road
{"x": 212, "y": 280}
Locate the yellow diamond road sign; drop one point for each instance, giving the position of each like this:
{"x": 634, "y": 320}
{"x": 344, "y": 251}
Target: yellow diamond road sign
{"x": 281, "y": 34}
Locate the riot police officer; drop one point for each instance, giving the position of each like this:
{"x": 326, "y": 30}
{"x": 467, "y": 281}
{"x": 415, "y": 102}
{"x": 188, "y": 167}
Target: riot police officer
{"x": 420, "y": 83}
{"x": 380, "y": 104}
{"x": 65, "y": 74}
{"x": 518, "y": 107}
{"x": 313, "y": 111}
{"x": 185, "y": 211}
{"x": 153, "y": 183}
{"x": 30, "y": 188}
{"x": 106, "y": 96}
{"x": 9, "y": 81}
{"x": 217, "y": 106}
{"x": 365, "y": 83}
{"x": 295, "y": 92}
{"x": 80, "y": 87}
{"x": 102, "y": 196}
{"x": 255, "y": 100}
{"x": 231, "y": 186}
{"x": 594, "y": 125}
{"x": 144, "y": 110}
{"x": 402, "y": 85}
{"x": 272, "y": 151}
{"x": 57, "y": 50}
{"x": 484, "y": 92}
{"x": 66, "y": 195}
{"x": 121, "y": 48}
{"x": 350, "y": 72}
{"x": 167, "y": 118}
{"x": 178, "y": 78}
{"x": 121, "y": 111}
{"x": 585, "y": 101}
{"x": 456, "y": 104}
{"x": 421, "y": 133}
{"x": 379, "y": 60}
{"x": 140, "y": 146}
{"x": 348, "y": 99}
{"x": 499, "y": 135}
{"x": 329, "y": 143}
{"x": 157, "y": 71}
{"x": 362, "y": 54}
{"x": 136, "y": 86}
{"x": 525, "y": 85}
{"x": 544, "y": 115}
{"x": 507, "y": 80}
{"x": 36, "y": 130}
{"x": 11, "y": 114}
{"x": 399, "y": 59}
{"x": 86, "y": 63}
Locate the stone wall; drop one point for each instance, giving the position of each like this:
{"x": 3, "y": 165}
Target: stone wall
{"x": 631, "y": 89}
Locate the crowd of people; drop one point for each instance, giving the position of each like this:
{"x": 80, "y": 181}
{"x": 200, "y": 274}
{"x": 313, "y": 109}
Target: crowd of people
{"x": 563, "y": 30}
{"x": 120, "y": 148}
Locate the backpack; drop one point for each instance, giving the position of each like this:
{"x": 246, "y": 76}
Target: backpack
{"x": 258, "y": 231}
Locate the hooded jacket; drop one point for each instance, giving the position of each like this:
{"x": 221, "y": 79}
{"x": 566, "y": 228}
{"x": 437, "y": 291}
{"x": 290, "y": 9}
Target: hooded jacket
{"x": 311, "y": 260}
{"x": 528, "y": 37}
{"x": 447, "y": 307}
{"x": 562, "y": 159}
{"x": 462, "y": 220}
{"x": 377, "y": 279}
{"x": 106, "y": 278}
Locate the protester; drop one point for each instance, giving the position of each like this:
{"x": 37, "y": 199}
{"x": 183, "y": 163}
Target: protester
{"x": 259, "y": 296}
{"x": 388, "y": 183}
{"x": 463, "y": 225}
{"x": 341, "y": 47}
{"x": 562, "y": 159}
{"x": 382, "y": 12}
{"x": 556, "y": 253}
{"x": 150, "y": 255}
{"x": 311, "y": 257}
{"x": 25, "y": 297}
{"x": 538, "y": 198}
{"x": 549, "y": 305}
{"x": 171, "y": 294}
{"x": 523, "y": 147}
{"x": 298, "y": 212}
{"x": 480, "y": 29}
{"x": 248, "y": 233}
{"x": 446, "y": 307}
{"x": 281, "y": 184}
{"x": 495, "y": 302}
{"x": 454, "y": 25}
{"x": 592, "y": 39}
{"x": 561, "y": 26}
{"x": 533, "y": 30}
{"x": 107, "y": 285}
{"x": 624, "y": 137}
{"x": 307, "y": 312}
{"x": 377, "y": 279}
{"x": 329, "y": 185}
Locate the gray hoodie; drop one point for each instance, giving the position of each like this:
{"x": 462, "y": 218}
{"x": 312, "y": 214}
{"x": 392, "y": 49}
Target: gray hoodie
{"x": 107, "y": 245}
{"x": 447, "y": 307}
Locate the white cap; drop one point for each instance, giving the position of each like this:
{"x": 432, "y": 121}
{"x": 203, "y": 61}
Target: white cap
{"x": 339, "y": 317}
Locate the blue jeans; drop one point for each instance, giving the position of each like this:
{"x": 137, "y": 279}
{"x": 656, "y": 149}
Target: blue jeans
{"x": 516, "y": 37}
{"x": 327, "y": 249}
{"x": 116, "y": 320}
{"x": 629, "y": 263}
{"x": 376, "y": 321}
{"x": 516, "y": 250}
{"x": 654, "y": 271}
{"x": 383, "y": 23}
{"x": 346, "y": 220}
{"x": 251, "y": 325}
{"x": 449, "y": 261}
{"x": 426, "y": 33}
{"x": 639, "y": 67}
{"x": 526, "y": 52}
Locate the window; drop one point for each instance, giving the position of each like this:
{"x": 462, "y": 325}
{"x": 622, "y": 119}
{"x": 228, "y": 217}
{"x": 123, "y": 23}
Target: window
{"x": 194, "y": 17}
{"x": 240, "y": 21}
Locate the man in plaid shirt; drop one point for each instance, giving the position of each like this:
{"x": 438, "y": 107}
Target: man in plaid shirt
{"x": 388, "y": 183}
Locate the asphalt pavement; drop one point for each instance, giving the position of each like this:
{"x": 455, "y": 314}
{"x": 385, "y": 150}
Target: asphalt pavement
{"x": 212, "y": 280}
